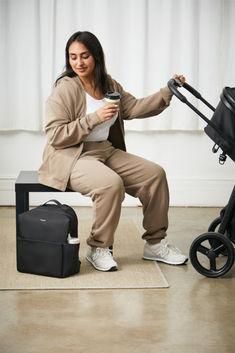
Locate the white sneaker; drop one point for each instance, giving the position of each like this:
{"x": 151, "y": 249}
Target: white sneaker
{"x": 101, "y": 258}
{"x": 164, "y": 252}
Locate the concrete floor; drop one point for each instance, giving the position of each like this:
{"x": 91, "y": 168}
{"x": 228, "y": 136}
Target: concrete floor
{"x": 195, "y": 315}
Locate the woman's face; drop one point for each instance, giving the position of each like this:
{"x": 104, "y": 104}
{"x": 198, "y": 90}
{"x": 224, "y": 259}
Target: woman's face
{"x": 81, "y": 61}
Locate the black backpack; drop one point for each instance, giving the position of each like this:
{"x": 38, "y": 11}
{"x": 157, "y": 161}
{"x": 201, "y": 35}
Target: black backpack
{"x": 42, "y": 243}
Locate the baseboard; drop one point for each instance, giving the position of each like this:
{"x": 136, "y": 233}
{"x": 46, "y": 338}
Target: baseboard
{"x": 183, "y": 192}
{"x": 200, "y": 192}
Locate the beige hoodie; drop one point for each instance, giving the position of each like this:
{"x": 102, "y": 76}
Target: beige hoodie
{"x": 67, "y": 124}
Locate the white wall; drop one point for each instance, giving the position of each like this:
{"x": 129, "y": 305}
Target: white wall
{"x": 194, "y": 174}
{"x": 158, "y": 44}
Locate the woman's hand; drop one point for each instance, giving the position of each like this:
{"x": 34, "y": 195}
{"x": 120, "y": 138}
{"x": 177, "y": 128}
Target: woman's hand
{"x": 107, "y": 112}
{"x": 180, "y": 77}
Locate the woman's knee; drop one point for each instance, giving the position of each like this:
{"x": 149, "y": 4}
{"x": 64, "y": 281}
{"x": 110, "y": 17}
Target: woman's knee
{"x": 116, "y": 186}
{"x": 161, "y": 172}
{"x": 111, "y": 188}
{"x": 156, "y": 172}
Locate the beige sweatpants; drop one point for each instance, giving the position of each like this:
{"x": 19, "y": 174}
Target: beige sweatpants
{"x": 105, "y": 174}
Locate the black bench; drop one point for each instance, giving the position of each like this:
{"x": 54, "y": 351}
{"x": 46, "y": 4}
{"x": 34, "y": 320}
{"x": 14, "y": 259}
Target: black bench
{"x": 26, "y": 182}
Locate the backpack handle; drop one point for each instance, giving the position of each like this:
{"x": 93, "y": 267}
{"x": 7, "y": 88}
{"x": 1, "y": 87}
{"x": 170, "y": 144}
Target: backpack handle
{"x": 70, "y": 213}
{"x": 54, "y": 201}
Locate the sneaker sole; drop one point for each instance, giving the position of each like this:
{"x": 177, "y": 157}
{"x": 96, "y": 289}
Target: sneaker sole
{"x": 111, "y": 269}
{"x": 166, "y": 262}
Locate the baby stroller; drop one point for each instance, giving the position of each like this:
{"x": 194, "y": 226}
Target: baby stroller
{"x": 212, "y": 253}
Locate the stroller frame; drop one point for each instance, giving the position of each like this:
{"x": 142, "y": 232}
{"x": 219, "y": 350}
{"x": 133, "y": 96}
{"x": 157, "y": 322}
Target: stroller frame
{"x": 211, "y": 253}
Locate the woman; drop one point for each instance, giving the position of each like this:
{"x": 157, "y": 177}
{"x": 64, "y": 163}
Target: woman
{"x": 86, "y": 152}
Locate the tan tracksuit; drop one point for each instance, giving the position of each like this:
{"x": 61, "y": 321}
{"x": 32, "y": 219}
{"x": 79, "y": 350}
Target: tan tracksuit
{"x": 103, "y": 170}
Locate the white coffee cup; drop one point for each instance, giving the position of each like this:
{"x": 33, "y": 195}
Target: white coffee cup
{"x": 112, "y": 98}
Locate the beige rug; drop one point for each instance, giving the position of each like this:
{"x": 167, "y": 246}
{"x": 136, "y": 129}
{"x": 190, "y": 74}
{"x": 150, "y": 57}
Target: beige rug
{"x": 133, "y": 272}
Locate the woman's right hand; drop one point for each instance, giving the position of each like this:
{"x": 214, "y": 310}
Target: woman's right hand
{"x": 107, "y": 112}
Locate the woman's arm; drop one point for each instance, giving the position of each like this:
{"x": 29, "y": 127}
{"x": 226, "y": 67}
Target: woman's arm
{"x": 66, "y": 122}
{"x": 62, "y": 132}
{"x": 145, "y": 107}
{"x": 154, "y": 104}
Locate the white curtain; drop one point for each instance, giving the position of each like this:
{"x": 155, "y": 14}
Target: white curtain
{"x": 145, "y": 43}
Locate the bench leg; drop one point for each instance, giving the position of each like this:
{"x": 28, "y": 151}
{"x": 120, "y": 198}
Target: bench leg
{"x": 22, "y": 204}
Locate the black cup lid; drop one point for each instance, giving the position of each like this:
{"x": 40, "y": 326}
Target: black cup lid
{"x": 112, "y": 95}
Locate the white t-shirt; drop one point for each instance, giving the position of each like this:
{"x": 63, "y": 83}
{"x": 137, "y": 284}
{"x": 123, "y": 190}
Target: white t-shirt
{"x": 101, "y": 131}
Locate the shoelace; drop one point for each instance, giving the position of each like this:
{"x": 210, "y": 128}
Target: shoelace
{"x": 166, "y": 248}
{"x": 102, "y": 252}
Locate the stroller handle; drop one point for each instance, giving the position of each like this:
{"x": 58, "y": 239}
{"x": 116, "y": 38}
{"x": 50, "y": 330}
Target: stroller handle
{"x": 174, "y": 83}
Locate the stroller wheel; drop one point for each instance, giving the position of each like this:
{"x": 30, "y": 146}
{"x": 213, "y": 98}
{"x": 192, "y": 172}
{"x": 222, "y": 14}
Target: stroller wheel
{"x": 207, "y": 254}
{"x": 212, "y": 228}
{"x": 214, "y": 224}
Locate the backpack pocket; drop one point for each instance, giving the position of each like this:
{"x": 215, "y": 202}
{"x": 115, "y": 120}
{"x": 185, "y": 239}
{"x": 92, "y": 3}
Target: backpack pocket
{"x": 47, "y": 258}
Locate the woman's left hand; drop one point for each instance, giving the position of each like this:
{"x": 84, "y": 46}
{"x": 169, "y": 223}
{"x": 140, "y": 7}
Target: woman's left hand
{"x": 180, "y": 77}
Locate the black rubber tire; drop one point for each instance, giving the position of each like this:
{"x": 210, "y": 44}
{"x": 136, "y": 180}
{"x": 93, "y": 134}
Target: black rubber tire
{"x": 214, "y": 224}
{"x": 212, "y": 228}
{"x": 218, "y": 244}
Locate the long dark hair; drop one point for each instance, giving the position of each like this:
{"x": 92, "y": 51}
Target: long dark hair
{"x": 92, "y": 43}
